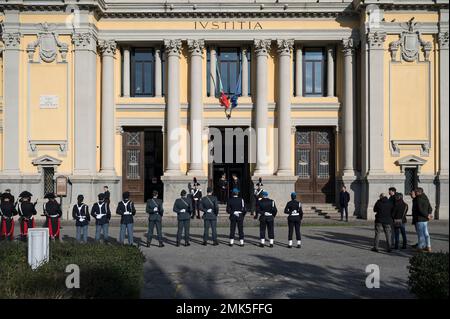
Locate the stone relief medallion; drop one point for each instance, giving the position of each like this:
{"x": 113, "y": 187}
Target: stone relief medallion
{"x": 410, "y": 46}
{"x": 48, "y": 44}
{"x": 48, "y": 47}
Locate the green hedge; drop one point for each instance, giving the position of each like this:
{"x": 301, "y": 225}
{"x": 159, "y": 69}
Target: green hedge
{"x": 106, "y": 271}
{"x": 428, "y": 275}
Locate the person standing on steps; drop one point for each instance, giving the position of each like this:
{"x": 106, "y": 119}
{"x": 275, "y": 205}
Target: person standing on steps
{"x": 183, "y": 208}
{"x": 223, "y": 187}
{"x": 344, "y": 199}
{"x": 196, "y": 194}
{"x": 210, "y": 208}
{"x": 257, "y": 195}
{"x": 155, "y": 212}
{"x": 237, "y": 210}
{"x": 294, "y": 211}
{"x": 235, "y": 183}
{"x": 267, "y": 211}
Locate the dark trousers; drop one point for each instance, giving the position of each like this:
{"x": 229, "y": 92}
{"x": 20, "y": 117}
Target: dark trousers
{"x": 344, "y": 209}
{"x": 291, "y": 225}
{"x": 270, "y": 229}
{"x": 397, "y": 231}
{"x": 223, "y": 195}
{"x": 151, "y": 225}
{"x": 183, "y": 224}
{"x": 210, "y": 223}
{"x": 386, "y": 228}
{"x": 240, "y": 226}
{"x": 196, "y": 205}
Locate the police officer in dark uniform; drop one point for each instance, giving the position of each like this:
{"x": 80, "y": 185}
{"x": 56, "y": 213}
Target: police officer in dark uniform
{"x": 267, "y": 211}
{"x": 183, "y": 208}
{"x": 7, "y": 213}
{"x": 196, "y": 195}
{"x": 210, "y": 208}
{"x": 26, "y": 211}
{"x": 237, "y": 210}
{"x": 102, "y": 214}
{"x": 126, "y": 210}
{"x": 80, "y": 212}
{"x": 223, "y": 187}
{"x": 257, "y": 195}
{"x": 53, "y": 213}
{"x": 155, "y": 212}
{"x": 295, "y": 215}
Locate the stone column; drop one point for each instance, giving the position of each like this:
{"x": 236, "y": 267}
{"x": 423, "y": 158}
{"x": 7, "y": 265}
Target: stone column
{"x": 196, "y": 48}
{"x": 348, "y": 116}
{"x": 330, "y": 71}
{"x": 212, "y": 70}
{"x": 284, "y": 48}
{"x": 11, "y": 71}
{"x": 443, "y": 212}
{"x": 262, "y": 48}
{"x": 85, "y": 114}
{"x": 126, "y": 72}
{"x": 107, "y": 49}
{"x": 244, "y": 81}
{"x": 298, "y": 70}
{"x": 158, "y": 74}
{"x": 173, "y": 49}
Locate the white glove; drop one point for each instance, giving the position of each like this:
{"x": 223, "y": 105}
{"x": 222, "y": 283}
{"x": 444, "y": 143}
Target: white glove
{"x": 236, "y": 213}
{"x": 267, "y": 214}
{"x": 81, "y": 219}
{"x": 294, "y": 213}
{"x": 209, "y": 210}
{"x": 155, "y": 209}
{"x": 128, "y": 213}
{"x": 99, "y": 216}
{"x": 182, "y": 210}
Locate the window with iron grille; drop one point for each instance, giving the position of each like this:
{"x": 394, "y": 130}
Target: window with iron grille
{"x": 411, "y": 179}
{"x": 49, "y": 184}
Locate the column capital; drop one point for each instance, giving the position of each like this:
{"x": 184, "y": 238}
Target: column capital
{"x": 262, "y": 46}
{"x": 11, "y": 40}
{"x": 285, "y": 46}
{"x": 348, "y": 46}
{"x": 376, "y": 39}
{"x": 196, "y": 47}
{"x": 107, "y": 47}
{"x": 83, "y": 41}
{"x": 443, "y": 40}
{"x": 173, "y": 46}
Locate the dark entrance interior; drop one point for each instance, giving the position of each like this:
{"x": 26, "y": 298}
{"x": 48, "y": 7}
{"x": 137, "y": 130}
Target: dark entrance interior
{"x": 142, "y": 162}
{"x": 315, "y": 164}
{"x": 233, "y": 159}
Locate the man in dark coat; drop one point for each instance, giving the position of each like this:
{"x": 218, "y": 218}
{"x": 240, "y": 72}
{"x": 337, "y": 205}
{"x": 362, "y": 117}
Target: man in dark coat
{"x": 126, "y": 210}
{"x": 424, "y": 214}
{"x": 53, "y": 213}
{"x": 80, "y": 212}
{"x": 196, "y": 195}
{"x": 257, "y": 195}
{"x": 7, "y": 213}
{"x": 210, "y": 208}
{"x": 294, "y": 211}
{"x": 344, "y": 199}
{"x": 399, "y": 216}
{"x": 102, "y": 214}
{"x": 235, "y": 183}
{"x": 223, "y": 187}
{"x": 267, "y": 211}
{"x": 383, "y": 221}
{"x": 26, "y": 211}
{"x": 183, "y": 208}
{"x": 155, "y": 212}
{"x": 107, "y": 195}
{"x": 237, "y": 210}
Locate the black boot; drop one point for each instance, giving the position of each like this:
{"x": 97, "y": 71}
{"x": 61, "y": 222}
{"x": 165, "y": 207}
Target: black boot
{"x": 215, "y": 243}
{"x": 205, "y": 243}
{"x": 161, "y": 244}
{"x": 149, "y": 243}
{"x": 178, "y": 244}
{"x": 261, "y": 245}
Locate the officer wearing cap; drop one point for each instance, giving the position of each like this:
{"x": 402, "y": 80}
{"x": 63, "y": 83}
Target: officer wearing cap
{"x": 102, "y": 214}
{"x": 237, "y": 210}
{"x": 295, "y": 215}
{"x": 183, "y": 208}
{"x": 53, "y": 213}
{"x": 126, "y": 210}
{"x": 7, "y": 213}
{"x": 26, "y": 211}
{"x": 155, "y": 212}
{"x": 80, "y": 212}
{"x": 210, "y": 208}
{"x": 267, "y": 212}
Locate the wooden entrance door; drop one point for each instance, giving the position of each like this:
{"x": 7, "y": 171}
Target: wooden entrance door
{"x": 315, "y": 164}
{"x": 133, "y": 164}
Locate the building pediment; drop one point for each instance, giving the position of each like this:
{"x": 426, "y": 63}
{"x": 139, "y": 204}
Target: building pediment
{"x": 410, "y": 161}
{"x": 46, "y": 160}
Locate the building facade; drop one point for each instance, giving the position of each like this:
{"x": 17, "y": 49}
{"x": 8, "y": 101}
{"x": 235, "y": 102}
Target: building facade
{"x": 126, "y": 94}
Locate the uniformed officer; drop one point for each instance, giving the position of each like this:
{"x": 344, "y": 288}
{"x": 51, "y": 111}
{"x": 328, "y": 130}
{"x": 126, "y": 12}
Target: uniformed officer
{"x": 237, "y": 210}
{"x": 295, "y": 211}
{"x": 102, "y": 214}
{"x": 257, "y": 195}
{"x": 223, "y": 187}
{"x": 7, "y": 213}
{"x": 80, "y": 212}
{"x": 126, "y": 210}
{"x": 196, "y": 195}
{"x": 183, "y": 208}
{"x": 53, "y": 213}
{"x": 267, "y": 211}
{"x": 155, "y": 212}
{"x": 8, "y": 191}
{"x": 107, "y": 195}
{"x": 210, "y": 208}
{"x": 26, "y": 211}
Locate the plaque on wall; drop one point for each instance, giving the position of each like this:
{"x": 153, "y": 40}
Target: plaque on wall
{"x": 61, "y": 186}
{"x": 48, "y": 101}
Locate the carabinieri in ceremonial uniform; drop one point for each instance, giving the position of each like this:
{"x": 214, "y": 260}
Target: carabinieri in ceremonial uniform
{"x": 155, "y": 212}
{"x": 102, "y": 214}
{"x": 196, "y": 195}
{"x": 126, "y": 209}
{"x": 80, "y": 212}
{"x": 183, "y": 208}
{"x": 257, "y": 195}
{"x": 237, "y": 210}
{"x": 7, "y": 213}
{"x": 295, "y": 211}
{"x": 53, "y": 213}
{"x": 267, "y": 211}
{"x": 26, "y": 211}
{"x": 210, "y": 208}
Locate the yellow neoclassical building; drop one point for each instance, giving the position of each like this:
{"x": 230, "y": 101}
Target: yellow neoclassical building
{"x": 323, "y": 93}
